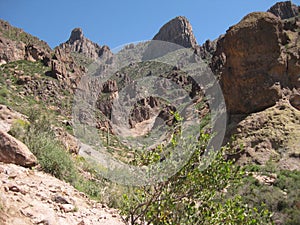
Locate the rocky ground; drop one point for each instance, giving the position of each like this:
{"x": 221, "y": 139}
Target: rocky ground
{"x": 269, "y": 135}
{"x": 257, "y": 62}
{"x": 34, "y": 197}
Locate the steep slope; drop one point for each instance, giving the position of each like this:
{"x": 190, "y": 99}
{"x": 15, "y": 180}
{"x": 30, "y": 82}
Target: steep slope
{"x": 32, "y": 197}
{"x": 15, "y": 44}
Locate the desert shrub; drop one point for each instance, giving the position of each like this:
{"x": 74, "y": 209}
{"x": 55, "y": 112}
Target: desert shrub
{"x": 41, "y": 141}
{"x": 19, "y": 128}
{"x": 3, "y": 92}
{"x": 90, "y": 187}
{"x": 192, "y": 196}
{"x": 52, "y": 156}
{"x": 282, "y": 198}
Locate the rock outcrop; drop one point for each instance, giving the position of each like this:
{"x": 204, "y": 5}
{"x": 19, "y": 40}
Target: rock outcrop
{"x": 80, "y": 44}
{"x": 256, "y": 61}
{"x": 65, "y": 69}
{"x": 72, "y": 57}
{"x": 207, "y": 50}
{"x": 178, "y": 31}
{"x": 70, "y": 143}
{"x": 15, "y": 44}
{"x": 10, "y": 50}
{"x": 14, "y": 151}
{"x": 284, "y": 10}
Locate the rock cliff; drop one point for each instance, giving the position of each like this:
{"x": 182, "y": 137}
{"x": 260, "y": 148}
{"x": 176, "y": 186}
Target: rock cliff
{"x": 256, "y": 59}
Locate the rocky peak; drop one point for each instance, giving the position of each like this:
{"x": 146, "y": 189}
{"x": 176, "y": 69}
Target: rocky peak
{"x": 178, "y": 31}
{"x": 80, "y": 44}
{"x": 76, "y": 34}
{"x": 284, "y": 10}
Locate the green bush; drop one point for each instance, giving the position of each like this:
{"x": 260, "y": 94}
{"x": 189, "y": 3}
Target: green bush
{"x": 4, "y": 93}
{"x": 282, "y": 198}
{"x": 52, "y": 157}
{"x": 90, "y": 187}
{"x": 192, "y": 196}
{"x": 41, "y": 141}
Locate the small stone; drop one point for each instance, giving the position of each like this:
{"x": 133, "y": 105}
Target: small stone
{"x": 81, "y": 223}
{"x": 26, "y": 213}
{"x": 60, "y": 199}
{"x": 44, "y": 222}
{"x": 67, "y": 208}
{"x": 13, "y": 176}
{"x": 14, "y": 188}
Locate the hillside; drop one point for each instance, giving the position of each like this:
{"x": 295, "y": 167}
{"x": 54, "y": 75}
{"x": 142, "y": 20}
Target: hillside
{"x": 47, "y": 94}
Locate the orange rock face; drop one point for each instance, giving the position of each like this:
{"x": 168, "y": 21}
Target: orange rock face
{"x": 255, "y": 64}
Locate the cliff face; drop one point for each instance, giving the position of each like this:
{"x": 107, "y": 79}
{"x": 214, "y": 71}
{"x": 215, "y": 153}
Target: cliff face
{"x": 258, "y": 65}
{"x": 256, "y": 60}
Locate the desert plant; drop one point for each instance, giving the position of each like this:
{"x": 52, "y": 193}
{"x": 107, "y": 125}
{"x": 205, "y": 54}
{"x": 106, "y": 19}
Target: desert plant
{"x": 192, "y": 196}
{"x": 40, "y": 139}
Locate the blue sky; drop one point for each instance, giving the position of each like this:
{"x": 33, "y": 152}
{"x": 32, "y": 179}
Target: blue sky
{"x": 115, "y": 23}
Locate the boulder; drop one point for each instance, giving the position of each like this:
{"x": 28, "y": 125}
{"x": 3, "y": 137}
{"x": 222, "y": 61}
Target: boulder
{"x": 14, "y": 151}
{"x": 36, "y": 53}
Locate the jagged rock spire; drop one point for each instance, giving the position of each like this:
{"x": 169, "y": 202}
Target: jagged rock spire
{"x": 76, "y": 34}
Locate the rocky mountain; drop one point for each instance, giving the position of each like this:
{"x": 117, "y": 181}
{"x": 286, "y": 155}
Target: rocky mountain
{"x": 257, "y": 63}
{"x": 80, "y": 44}
{"x": 15, "y": 44}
